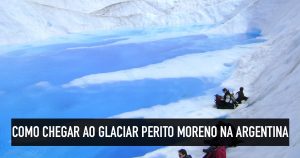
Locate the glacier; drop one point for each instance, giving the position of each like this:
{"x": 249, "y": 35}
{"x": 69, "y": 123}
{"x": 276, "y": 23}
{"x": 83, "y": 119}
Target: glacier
{"x": 35, "y": 82}
{"x": 270, "y": 73}
{"x": 35, "y": 20}
{"x": 269, "y": 70}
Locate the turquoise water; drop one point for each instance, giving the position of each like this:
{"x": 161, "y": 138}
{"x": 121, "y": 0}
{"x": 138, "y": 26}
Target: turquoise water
{"x": 59, "y": 63}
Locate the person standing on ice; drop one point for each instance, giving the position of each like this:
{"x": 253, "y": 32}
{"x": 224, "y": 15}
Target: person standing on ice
{"x": 241, "y": 96}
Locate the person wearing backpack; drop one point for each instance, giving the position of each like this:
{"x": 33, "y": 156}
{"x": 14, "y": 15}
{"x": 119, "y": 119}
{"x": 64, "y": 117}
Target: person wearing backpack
{"x": 227, "y": 96}
{"x": 227, "y": 99}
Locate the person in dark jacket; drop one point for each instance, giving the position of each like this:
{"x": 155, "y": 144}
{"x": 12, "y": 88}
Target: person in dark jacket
{"x": 183, "y": 154}
{"x": 227, "y": 100}
{"x": 241, "y": 96}
{"x": 227, "y": 96}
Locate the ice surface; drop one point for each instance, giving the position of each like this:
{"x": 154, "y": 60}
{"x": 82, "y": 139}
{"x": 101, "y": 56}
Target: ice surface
{"x": 31, "y": 84}
{"x": 210, "y": 65}
{"x": 33, "y": 20}
{"x": 269, "y": 72}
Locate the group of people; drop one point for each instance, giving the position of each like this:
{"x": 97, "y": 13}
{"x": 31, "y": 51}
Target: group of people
{"x": 211, "y": 152}
{"x": 227, "y": 101}
{"x": 230, "y": 101}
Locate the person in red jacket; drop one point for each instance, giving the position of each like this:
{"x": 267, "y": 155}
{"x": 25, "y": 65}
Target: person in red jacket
{"x": 215, "y": 152}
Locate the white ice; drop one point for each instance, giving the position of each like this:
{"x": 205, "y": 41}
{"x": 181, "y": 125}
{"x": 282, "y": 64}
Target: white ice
{"x": 210, "y": 65}
{"x": 270, "y": 73}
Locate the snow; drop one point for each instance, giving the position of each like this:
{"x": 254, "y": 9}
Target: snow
{"x": 172, "y": 68}
{"x": 35, "y": 20}
{"x": 185, "y": 108}
{"x": 269, "y": 72}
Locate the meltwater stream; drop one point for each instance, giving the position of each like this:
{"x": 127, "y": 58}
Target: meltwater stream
{"x": 31, "y": 79}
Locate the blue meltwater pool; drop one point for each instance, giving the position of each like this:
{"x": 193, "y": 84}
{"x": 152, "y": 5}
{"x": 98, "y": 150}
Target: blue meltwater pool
{"x": 31, "y": 79}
